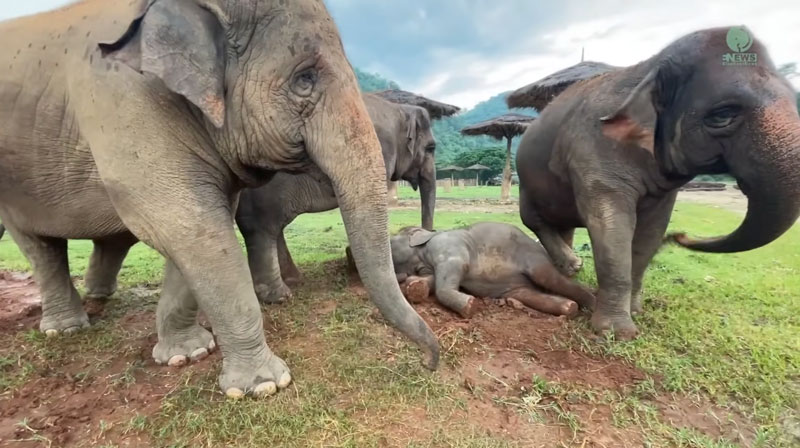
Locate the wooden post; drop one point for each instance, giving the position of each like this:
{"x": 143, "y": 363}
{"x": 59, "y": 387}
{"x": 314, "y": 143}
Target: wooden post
{"x": 505, "y": 189}
{"x": 392, "y": 187}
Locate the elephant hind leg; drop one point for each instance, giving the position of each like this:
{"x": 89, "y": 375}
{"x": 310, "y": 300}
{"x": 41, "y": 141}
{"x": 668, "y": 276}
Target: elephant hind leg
{"x": 105, "y": 263}
{"x": 549, "y": 278}
{"x": 62, "y": 310}
{"x": 546, "y": 303}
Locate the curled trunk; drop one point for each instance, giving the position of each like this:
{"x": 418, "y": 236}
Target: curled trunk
{"x": 767, "y": 173}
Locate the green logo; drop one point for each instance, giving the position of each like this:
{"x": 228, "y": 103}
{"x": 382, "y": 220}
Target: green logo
{"x": 739, "y": 41}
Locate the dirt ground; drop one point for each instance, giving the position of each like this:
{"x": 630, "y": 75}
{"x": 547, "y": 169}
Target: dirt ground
{"x": 518, "y": 379}
{"x": 729, "y": 199}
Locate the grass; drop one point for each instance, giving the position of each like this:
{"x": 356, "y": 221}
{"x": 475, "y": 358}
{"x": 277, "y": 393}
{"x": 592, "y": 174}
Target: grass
{"x": 475, "y": 193}
{"x": 724, "y": 328}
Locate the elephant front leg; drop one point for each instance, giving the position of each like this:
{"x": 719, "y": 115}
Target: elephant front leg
{"x": 611, "y": 221}
{"x": 262, "y": 256}
{"x": 105, "y": 264}
{"x": 180, "y": 337}
{"x": 448, "y": 280}
{"x": 651, "y": 226}
{"x": 62, "y": 310}
{"x": 553, "y": 240}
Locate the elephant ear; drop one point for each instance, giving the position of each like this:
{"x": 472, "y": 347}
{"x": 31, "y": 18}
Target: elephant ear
{"x": 412, "y": 118}
{"x": 420, "y": 237}
{"x": 646, "y": 118}
{"x": 182, "y": 44}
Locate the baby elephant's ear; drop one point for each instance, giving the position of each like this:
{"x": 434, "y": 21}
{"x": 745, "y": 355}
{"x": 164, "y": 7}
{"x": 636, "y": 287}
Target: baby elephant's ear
{"x": 182, "y": 44}
{"x": 420, "y": 237}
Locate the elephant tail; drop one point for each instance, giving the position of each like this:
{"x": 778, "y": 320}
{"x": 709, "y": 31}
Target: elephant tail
{"x": 548, "y": 277}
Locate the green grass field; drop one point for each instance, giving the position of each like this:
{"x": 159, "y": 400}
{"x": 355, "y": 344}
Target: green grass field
{"x": 718, "y": 328}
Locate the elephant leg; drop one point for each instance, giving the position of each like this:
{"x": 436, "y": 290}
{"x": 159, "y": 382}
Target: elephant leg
{"x": 545, "y": 275}
{"x": 546, "y": 303}
{"x": 180, "y": 337}
{"x": 611, "y": 220}
{"x": 560, "y": 252}
{"x": 447, "y": 281}
{"x": 289, "y": 272}
{"x": 62, "y": 310}
{"x": 262, "y": 256}
{"x": 651, "y": 226}
{"x": 105, "y": 263}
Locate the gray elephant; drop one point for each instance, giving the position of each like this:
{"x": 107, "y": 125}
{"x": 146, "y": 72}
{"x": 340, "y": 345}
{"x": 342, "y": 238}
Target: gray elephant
{"x": 486, "y": 259}
{"x": 408, "y": 151}
{"x": 611, "y": 152}
{"x": 142, "y": 120}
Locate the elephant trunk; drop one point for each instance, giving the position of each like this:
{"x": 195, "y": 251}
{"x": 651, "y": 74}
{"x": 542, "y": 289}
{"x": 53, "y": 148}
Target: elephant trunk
{"x": 427, "y": 190}
{"x": 347, "y": 150}
{"x": 767, "y": 174}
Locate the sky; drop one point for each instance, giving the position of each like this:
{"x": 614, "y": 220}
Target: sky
{"x": 465, "y": 51}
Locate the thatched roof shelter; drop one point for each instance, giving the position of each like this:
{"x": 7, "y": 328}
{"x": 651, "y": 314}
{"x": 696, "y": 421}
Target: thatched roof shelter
{"x": 541, "y": 93}
{"x": 450, "y": 168}
{"x": 477, "y": 167}
{"x": 505, "y": 126}
{"x": 436, "y": 109}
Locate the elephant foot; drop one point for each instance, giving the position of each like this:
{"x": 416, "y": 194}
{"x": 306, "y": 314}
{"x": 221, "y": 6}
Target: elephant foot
{"x": 467, "y": 310}
{"x": 620, "y": 325}
{"x": 269, "y": 294}
{"x": 100, "y": 292}
{"x": 181, "y": 347}
{"x": 293, "y": 280}
{"x": 260, "y": 379}
{"x": 637, "y": 308}
{"x": 570, "y": 265}
{"x": 54, "y": 324}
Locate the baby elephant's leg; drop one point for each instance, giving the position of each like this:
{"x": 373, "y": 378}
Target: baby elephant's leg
{"x": 418, "y": 289}
{"x": 448, "y": 280}
{"x": 546, "y": 303}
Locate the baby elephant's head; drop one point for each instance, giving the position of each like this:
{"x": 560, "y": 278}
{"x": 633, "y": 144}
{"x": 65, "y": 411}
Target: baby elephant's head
{"x": 407, "y": 248}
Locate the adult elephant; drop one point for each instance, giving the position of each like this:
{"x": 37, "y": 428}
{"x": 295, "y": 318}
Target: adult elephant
{"x": 151, "y": 134}
{"x": 610, "y": 154}
{"x": 408, "y": 147}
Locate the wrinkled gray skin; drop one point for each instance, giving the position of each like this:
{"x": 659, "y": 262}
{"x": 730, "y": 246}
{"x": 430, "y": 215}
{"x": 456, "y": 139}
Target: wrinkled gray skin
{"x": 486, "y": 260}
{"x": 2, "y": 230}
{"x": 408, "y": 150}
{"x": 610, "y": 154}
{"x": 151, "y": 135}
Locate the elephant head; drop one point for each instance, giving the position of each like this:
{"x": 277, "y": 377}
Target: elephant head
{"x": 417, "y": 163}
{"x": 407, "y": 247}
{"x": 269, "y": 82}
{"x": 703, "y": 107}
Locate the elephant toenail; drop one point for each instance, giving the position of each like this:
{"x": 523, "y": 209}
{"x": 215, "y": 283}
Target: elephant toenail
{"x": 265, "y": 389}
{"x": 199, "y": 354}
{"x": 177, "y": 361}
{"x": 234, "y": 393}
{"x": 286, "y": 378}
{"x": 212, "y": 345}
{"x": 51, "y": 333}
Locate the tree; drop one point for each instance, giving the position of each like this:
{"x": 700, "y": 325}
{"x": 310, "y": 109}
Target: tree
{"x": 490, "y": 156}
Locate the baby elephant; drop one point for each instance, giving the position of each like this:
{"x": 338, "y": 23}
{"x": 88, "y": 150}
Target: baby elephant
{"x": 486, "y": 260}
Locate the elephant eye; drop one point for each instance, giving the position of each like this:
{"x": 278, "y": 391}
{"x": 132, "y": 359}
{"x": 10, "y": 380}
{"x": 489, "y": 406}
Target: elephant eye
{"x": 722, "y": 117}
{"x": 431, "y": 147}
{"x": 304, "y": 82}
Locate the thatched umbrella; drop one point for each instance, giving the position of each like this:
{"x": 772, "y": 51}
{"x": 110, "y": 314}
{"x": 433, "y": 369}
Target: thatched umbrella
{"x": 505, "y": 126}
{"x": 541, "y": 93}
{"x": 436, "y": 109}
{"x": 477, "y": 168}
{"x": 450, "y": 168}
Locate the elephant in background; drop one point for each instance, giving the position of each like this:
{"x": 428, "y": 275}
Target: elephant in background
{"x": 143, "y": 120}
{"x": 611, "y": 152}
{"x": 408, "y": 146}
{"x": 487, "y": 259}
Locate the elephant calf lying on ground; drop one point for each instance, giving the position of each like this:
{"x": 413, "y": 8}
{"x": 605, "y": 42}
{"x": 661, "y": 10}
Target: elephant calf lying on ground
{"x": 487, "y": 260}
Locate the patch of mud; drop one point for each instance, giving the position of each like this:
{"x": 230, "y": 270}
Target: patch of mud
{"x": 20, "y": 302}
{"x": 728, "y": 199}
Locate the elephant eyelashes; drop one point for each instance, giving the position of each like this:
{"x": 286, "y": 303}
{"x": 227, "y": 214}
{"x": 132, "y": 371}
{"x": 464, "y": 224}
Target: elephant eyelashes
{"x": 722, "y": 117}
{"x": 431, "y": 148}
{"x": 304, "y": 82}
